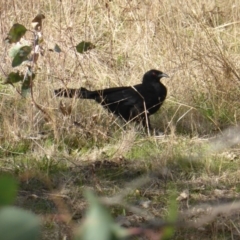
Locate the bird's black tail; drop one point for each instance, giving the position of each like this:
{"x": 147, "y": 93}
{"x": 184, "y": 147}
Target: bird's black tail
{"x": 72, "y": 92}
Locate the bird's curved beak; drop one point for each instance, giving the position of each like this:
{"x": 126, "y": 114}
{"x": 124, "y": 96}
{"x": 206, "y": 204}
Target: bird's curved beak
{"x": 163, "y": 75}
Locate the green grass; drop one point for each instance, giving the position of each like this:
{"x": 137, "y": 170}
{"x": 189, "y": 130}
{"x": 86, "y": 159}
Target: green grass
{"x": 43, "y": 176}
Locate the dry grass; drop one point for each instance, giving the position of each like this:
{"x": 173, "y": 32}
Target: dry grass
{"x": 196, "y": 43}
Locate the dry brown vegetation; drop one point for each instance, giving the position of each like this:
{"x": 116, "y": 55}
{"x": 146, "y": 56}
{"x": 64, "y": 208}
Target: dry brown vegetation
{"x": 56, "y": 156}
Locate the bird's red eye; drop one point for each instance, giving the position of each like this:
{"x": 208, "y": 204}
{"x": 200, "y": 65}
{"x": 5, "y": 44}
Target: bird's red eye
{"x": 153, "y": 73}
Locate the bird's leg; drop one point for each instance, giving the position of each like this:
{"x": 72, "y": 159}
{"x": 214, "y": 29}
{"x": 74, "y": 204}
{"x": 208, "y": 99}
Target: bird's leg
{"x": 146, "y": 124}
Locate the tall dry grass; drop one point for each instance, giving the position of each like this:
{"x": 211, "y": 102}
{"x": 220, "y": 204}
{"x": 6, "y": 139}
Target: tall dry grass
{"x": 195, "y": 43}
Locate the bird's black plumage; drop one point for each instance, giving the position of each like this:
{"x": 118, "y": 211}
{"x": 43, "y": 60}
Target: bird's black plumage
{"x": 135, "y": 103}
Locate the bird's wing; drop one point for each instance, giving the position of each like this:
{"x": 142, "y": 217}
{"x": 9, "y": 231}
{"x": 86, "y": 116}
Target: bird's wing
{"x": 124, "y": 95}
{"x": 120, "y": 100}
{"x": 113, "y": 95}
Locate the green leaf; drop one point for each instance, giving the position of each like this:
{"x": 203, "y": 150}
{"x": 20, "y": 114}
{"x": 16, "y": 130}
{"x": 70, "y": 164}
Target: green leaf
{"x": 18, "y": 224}
{"x": 8, "y": 190}
{"x": 168, "y": 232}
{"x": 16, "y": 32}
{"x": 13, "y": 51}
{"x": 84, "y": 46}
{"x": 21, "y": 55}
{"x": 99, "y": 223}
{"x": 26, "y": 86}
{"x": 13, "y": 77}
{"x": 57, "y": 48}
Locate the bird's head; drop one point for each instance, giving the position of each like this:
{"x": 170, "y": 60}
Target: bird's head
{"x": 153, "y": 76}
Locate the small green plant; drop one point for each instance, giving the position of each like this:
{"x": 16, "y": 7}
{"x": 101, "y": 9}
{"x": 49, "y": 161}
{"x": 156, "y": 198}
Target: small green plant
{"x": 25, "y": 54}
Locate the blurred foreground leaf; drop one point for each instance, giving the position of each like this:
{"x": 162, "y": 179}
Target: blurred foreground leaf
{"x": 15, "y": 33}
{"x": 84, "y": 46}
{"x": 8, "y": 190}
{"x": 18, "y": 224}
{"x": 98, "y": 223}
{"x": 168, "y": 231}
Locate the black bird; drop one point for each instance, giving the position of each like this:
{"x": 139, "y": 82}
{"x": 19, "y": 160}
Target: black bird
{"x": 134, "y": 103}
